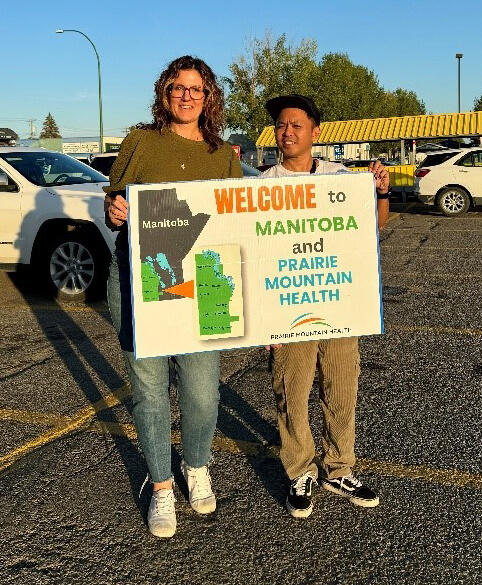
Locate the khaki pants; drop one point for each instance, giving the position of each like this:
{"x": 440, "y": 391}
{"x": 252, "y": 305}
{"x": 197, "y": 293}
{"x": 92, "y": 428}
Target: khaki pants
{"x": 293, "y": 372}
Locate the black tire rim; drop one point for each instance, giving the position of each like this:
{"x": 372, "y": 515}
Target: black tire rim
{"x": 72, "y": 268}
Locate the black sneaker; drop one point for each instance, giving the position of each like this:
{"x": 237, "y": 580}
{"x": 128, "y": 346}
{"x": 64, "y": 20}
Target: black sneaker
{"x": 351, "y": 488}
{"x": 298, "y": 501}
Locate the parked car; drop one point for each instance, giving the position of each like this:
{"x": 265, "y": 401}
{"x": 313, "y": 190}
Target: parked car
{"x": 451, "y": 180}
{"x": 249, "y": 171}
{"x": 103, "y": 163}
{"x": 52, "y": 218}
{"x": 358, "y": 163}
{"x": 84, "y": 157}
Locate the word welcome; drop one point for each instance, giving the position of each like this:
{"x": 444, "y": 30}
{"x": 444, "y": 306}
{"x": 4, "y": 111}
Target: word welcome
{"x": 251, "y": 199}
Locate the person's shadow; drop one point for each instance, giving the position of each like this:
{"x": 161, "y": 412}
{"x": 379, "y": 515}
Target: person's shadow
{"x": 257, "y": 437}
{"x": 79, "y": 354}
{"x": 237, "y": 420}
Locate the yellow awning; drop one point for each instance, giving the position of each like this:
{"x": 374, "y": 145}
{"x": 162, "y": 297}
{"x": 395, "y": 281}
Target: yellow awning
{"x": 382, "y": 129}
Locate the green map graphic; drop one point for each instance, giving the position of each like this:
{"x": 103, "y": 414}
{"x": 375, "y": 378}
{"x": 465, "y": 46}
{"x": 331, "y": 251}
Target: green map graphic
{"x": 214, "y": 292}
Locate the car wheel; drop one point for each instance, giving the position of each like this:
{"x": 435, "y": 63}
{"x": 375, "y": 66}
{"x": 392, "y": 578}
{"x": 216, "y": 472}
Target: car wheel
{"x": 74, "y": 266}
{"x": 453, "y": 201}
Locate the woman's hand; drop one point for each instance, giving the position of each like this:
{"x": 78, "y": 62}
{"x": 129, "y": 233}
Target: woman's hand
{"x": 117, "y": 209}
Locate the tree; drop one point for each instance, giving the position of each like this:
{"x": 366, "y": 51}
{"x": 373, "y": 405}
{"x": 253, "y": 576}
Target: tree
{"x": 347, "y": 91}
{"x": 50, "y": 128}
{"x": 478, "y": 104}
{"x": 269, "y": 68}
{"x": 402, "y": 102}
{"x": 340, "y": 89}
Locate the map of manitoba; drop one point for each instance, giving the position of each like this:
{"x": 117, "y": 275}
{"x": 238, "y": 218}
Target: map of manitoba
{"x": 167, "y": 232}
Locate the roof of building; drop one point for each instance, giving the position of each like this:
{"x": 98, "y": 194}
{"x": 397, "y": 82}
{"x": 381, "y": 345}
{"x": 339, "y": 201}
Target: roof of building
{"x": 383, "y": 129}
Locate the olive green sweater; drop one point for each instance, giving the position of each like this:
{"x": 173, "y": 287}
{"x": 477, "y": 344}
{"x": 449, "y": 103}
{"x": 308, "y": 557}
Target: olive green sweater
{"x": 147, "y": 156}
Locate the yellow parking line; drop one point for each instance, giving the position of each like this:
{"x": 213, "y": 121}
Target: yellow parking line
{"x": 74, "y": 423}
{"x": 393, "y": 215}
{"x": 448, "y": 477}
{"x": 34, "y": 418}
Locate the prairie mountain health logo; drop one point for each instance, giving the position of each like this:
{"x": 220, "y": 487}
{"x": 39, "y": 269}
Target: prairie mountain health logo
{"x": 305, "y": 318}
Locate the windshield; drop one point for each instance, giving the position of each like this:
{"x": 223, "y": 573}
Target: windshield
{"x": 249, "y": 171}
{"x": 51, "y": 169}
{"x": 432, "y": 160}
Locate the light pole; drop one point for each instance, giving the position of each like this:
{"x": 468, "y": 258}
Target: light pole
{"x": 101, "y": 125}
{"x": 459, "y": 56}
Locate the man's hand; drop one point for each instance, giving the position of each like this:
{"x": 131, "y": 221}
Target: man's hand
{"x": 277, "y": 346}
{"x": 382, "y": 178}
{"x": 117, "y": 209}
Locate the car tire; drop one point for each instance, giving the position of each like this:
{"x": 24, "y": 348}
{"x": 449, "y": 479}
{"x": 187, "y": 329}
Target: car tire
{"x": 453, "y": 201}
{"x": 74, "y": 266}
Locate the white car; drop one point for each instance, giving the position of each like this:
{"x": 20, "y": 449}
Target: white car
{"x": 451, "y": 180}
{"x": 52, "y": 218}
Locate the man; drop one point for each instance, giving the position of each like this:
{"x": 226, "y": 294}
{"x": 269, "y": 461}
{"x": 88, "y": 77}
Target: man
{"x": 297, "y": 121}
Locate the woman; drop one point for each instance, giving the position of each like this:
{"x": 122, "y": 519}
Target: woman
{"x": 182, "y": 144}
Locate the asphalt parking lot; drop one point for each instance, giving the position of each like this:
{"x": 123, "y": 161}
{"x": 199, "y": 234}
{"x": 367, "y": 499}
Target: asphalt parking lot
{"x": 71, "y": 469}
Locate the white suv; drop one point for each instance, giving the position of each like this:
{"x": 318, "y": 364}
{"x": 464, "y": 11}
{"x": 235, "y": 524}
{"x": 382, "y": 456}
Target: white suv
{"x": 450, "y": 179}
{"x": 52, "y": 218}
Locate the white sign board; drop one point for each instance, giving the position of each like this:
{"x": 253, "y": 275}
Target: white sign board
{"x": 247, "y": 262}
{"x": 78, "y": 147}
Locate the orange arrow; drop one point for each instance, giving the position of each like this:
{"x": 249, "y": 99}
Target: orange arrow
{"x": 185, "y": 289}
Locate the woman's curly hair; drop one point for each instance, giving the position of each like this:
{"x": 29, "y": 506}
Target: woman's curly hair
{"x": 211, "y": 121}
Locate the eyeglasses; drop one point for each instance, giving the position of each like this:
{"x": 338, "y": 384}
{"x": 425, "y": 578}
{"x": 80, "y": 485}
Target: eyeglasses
{"x": 196, "y": 93}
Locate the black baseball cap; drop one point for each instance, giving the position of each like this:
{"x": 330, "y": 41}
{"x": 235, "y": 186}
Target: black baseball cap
{"x": 294, "y": 100}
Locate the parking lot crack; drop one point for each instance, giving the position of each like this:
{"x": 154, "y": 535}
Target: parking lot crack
{"x": 14, "y": 372}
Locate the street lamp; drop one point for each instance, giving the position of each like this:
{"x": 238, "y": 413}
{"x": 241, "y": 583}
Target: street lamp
{"x": 459, "y": 56}
{"x": 60, "y": 30}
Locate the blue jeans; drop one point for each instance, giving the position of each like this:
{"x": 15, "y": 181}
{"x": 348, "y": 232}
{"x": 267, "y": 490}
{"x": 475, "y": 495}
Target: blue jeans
{"x": 197, "y": 388}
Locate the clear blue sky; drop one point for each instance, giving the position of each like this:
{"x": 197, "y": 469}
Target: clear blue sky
{"x": 411, "y": 44}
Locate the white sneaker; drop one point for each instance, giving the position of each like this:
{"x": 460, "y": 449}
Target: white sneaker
{"x": 201, "y": 496}
{"x": 161, "y": 517}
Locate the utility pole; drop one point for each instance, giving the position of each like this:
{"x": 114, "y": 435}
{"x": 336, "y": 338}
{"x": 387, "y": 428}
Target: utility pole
{"x": 101, "y": 123}
{"x": 32, "y": 128}
{"x": 458, "y": 56}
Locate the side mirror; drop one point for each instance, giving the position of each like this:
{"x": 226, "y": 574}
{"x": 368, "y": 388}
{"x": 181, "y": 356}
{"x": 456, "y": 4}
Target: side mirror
{"x": 3, "y": 179}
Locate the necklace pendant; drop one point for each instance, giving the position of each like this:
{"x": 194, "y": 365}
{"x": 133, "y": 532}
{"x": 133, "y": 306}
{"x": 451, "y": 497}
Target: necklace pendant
{"x": 183, "y": 166}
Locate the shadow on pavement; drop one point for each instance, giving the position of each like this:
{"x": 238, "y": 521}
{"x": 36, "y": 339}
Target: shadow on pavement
{"x": 79, "y": 355}
{"x": 237, "y": 419}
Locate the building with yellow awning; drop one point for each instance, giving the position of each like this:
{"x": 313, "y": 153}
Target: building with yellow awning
{"x": 411, "y": 128}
